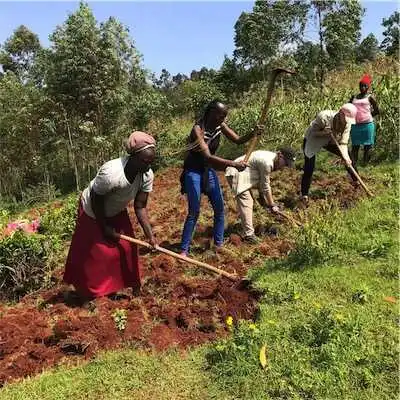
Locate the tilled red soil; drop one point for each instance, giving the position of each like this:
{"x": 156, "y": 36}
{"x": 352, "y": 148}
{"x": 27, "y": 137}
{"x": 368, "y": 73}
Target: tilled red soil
{"x": 178, "y": 305}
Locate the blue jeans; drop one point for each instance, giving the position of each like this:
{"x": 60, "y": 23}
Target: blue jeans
{"x": 193, "y": 184}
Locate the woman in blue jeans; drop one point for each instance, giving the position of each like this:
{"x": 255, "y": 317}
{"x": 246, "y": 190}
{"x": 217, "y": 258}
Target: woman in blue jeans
{"x": 199, "y": 175}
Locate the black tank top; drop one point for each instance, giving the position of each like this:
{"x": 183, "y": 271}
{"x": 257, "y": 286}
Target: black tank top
{"x": 195, "y": 160}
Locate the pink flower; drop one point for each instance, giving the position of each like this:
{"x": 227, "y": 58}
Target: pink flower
{"x": 12, "y": 226}
{"x": 34, "y": 226}
{"x": 24, "y": 225}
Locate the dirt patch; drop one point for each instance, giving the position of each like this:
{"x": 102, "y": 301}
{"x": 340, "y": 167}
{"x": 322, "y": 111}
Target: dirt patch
{"x": 235, "y": 240}
{"x": 172, "y": 310}
{"x": 179, "y": 305}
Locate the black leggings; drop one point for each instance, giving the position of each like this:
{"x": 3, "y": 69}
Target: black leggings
{"x": 309, "y": 165}
{"x": 354, "y": 153}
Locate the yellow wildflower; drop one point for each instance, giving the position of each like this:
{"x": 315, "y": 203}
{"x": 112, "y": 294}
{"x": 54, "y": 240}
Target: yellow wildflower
{"x": 229, "y": 321}
{"x": 339, "y": 318}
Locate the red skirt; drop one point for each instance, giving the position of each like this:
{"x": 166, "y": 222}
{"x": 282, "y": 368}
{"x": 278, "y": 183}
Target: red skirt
{"x": 97, "y": 267}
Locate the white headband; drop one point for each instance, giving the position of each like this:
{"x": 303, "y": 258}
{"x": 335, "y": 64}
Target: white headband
{"x": 148, "y": 146}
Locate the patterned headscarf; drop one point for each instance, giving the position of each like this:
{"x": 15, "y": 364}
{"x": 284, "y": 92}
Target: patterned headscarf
{"x": 139, "y": 141}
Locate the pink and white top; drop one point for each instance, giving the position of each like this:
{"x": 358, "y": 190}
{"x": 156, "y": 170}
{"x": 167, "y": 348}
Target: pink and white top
{"x": 364, "y": 109}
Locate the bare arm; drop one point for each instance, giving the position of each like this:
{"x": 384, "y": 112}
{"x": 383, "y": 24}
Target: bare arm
{"x": 97, "y": 202}
{"x": 233, "y": 136}
{"x": 140, "y": 205}
{"x": 215, "y": 161}
{"x": 266, "y": 199}
{"x": 375, "y": 109}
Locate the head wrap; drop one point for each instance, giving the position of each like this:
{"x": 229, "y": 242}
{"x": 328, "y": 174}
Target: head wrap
{"x": 343, "y": 132}
{"x": 350, "y": 111}
{"x": 139, "y": 141}
{"x": 366, "y": 79}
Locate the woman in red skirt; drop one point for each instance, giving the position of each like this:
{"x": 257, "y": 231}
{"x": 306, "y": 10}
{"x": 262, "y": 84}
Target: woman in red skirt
{"x": 98, "y": 263}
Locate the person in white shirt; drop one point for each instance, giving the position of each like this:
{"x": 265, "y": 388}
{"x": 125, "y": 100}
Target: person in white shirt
{"x": 318, "y": 137}
{"x": 257, "y": 175}
{"x": 98, "y": 263}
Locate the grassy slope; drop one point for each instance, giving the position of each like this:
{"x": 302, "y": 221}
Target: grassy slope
{"x": 328, "y": 330}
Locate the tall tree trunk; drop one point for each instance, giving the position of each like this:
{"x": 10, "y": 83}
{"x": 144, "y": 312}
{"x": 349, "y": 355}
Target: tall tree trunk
{"x": 73, "y": 158}
{"x": 321, "y": 51}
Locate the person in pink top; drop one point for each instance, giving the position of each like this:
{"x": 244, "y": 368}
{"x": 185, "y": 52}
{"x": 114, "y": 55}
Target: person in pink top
{"x": 363, "y": 131}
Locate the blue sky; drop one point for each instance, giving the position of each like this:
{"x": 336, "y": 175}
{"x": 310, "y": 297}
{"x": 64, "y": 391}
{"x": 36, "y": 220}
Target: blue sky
{"x": 176, "y": 35}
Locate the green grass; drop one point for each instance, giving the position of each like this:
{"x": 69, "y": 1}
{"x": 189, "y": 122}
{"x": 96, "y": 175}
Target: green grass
{"x": 328, "y": 330}
{"x": 120, "y": 375}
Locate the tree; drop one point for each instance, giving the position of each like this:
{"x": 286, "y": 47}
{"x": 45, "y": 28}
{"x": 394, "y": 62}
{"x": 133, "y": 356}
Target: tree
{"x": 21, "y": 133}
{"x": 74, "y": 64}
{"x": 165, "y": 81}
{"x": 342, "y": 31}
{"x": 92, "y": 69}
{"x": 261, "y": 34}
{"x": 122, "y": 78}
{"x": 203, "y": 74}
{"x": 93, "y": 76}
{"x": 368, "y": 49}
{"x": 232, "y": 77}
{"x": 308, "y": 58}
{"x": 19, "y": 52}
{"x": 338, "y": 24}
{"x": 390, "y": 43}
{"x": 149, "y": 105}
{"x": 320, "y": 9}
{"x": 179, "y": 78}
{"x": 191, "y": 95}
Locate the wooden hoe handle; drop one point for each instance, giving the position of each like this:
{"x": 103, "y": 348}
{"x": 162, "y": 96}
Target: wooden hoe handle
{"x": 189, "y": 260}
{"x": 264, "y": 110}
{"x": 364, "y": 186}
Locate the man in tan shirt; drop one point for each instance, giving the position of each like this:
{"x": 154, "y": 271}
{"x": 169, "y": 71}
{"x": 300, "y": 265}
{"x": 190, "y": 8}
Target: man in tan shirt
{"x": 257, "y": 175}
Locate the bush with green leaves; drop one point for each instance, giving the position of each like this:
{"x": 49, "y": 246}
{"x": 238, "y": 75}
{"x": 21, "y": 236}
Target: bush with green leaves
{"x": 24, "y": 263}
{"x": 171, "y": 141}
{"x": 60, "y": 222}
{"x": 40, "y": 193}
{"x": 150, "y": 105}
{"x": 27, "y": 260}
{"x": 192, "y": 96}
{"x": 319, "y": 241}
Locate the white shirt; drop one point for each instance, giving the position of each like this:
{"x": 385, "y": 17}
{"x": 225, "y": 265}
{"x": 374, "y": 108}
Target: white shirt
{"x": 111, "y": 182}
{"x": 256, "y": 175}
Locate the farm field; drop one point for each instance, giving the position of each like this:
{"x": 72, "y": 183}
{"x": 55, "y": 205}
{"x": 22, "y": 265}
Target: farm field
{"x": 307, "y": 308}
{"x": 181, "y": 307}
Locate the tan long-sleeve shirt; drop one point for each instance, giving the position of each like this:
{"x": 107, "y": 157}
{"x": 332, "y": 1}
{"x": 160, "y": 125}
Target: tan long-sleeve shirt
{"x": 256, "y": 175}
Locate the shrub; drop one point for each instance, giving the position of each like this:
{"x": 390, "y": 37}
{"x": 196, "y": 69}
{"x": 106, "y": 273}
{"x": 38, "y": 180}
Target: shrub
{"x": 60, "y": 222}
{"x": 23, "y": 264}
{"x": 319, "y": 241}
{"x": 192, "y": 96}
